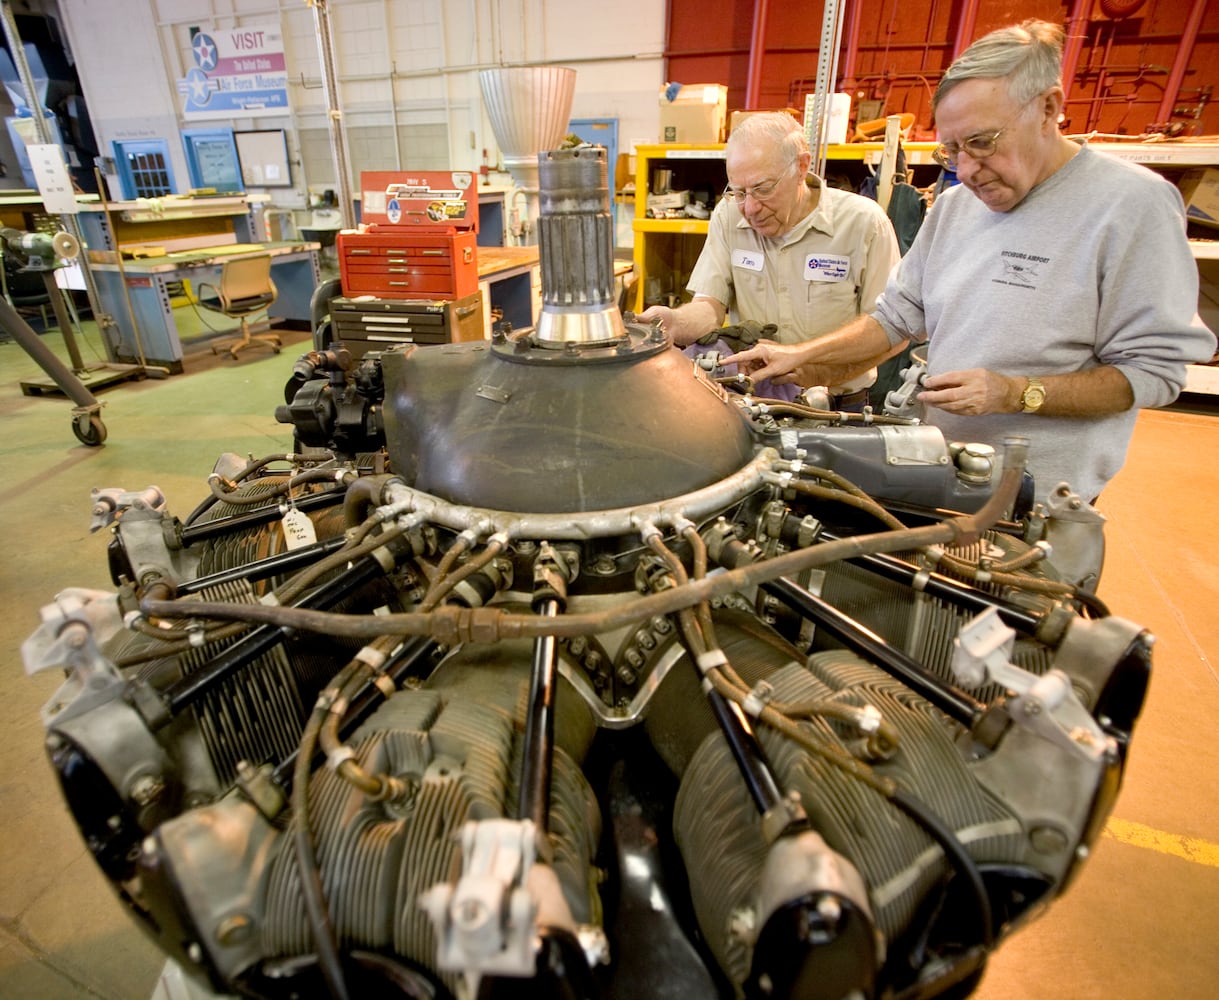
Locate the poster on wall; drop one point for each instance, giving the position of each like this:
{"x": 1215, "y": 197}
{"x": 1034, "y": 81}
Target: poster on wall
{"x": 237, "y": 73}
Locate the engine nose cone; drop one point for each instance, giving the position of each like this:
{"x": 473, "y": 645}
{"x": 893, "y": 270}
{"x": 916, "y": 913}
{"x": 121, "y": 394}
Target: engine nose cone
{"x": 583, "y": 413}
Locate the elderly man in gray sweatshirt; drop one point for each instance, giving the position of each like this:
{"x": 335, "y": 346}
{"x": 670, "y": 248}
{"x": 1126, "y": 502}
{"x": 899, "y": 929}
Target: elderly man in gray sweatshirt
{"x": 1054, "y": 287}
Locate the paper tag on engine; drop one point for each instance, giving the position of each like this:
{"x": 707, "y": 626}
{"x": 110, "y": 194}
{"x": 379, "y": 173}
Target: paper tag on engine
{"x": 298, "y": 529}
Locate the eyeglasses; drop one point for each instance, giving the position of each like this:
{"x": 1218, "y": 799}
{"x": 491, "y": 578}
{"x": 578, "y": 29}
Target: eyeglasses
{"x": 979, "y": 146}
{"x": 759, "y": 192}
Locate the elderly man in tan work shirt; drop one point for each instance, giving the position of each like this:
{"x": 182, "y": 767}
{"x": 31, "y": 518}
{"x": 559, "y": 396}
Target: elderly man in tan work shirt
{"x": 785, "y": 249}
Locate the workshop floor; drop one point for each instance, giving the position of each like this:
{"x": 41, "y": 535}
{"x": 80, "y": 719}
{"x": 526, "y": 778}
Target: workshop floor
{"x": 1141, "y": 922}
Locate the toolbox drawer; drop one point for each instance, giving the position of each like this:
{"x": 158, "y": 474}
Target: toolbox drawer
{"x": 401, "y": 254}
{"x": 412, "y": 284}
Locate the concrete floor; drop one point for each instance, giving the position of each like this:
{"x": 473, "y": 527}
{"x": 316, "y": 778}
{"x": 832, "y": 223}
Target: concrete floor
{"x": 1141, "y": 922}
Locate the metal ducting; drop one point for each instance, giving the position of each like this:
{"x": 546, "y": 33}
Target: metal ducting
{"x": 529, "y": 108}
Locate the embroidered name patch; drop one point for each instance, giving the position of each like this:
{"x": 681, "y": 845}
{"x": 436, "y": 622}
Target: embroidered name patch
{"x": 826, "y": 267}
{"x": 747, "y": 259}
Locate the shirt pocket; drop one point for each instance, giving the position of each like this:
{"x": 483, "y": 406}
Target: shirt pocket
{"x": 829, "y": 303}
{"x": 754, "y": 294}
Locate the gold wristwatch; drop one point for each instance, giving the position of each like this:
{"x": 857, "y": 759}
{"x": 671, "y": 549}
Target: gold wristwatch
{"x": 1033, "y": 395}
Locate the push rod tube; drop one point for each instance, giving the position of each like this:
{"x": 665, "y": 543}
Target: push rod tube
{"x": 276, "y": 565}
{"x": 248, "y": 648}
{"x": 943, "y": 587}
{"x": 950, "y": 700}
{"x": 534, "y": 801}
{"x": 747, "y": 752}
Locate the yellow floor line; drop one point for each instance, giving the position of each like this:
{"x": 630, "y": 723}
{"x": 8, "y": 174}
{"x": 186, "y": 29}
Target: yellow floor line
{"x": 1200, "y": 852}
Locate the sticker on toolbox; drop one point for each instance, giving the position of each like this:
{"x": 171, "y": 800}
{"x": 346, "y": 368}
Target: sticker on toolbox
{"x": 429, "y": 199}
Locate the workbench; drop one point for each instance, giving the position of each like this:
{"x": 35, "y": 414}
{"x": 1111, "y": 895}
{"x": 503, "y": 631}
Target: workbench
{"x": 294, "y": 269}
{"x": 510, "y": 279}
{"x": 142, "y": 250}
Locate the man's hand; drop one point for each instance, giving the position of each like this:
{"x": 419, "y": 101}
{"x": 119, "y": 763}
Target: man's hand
{"x": 1093, "y": 392}
{"x": 972, "y": 392}
{"x": 688, "y": 322}
{"x": 767, "y": 360}
{"x": 832, "y": 359}
{"x": 662, "y": 313}
{"x": 784, "y": 363}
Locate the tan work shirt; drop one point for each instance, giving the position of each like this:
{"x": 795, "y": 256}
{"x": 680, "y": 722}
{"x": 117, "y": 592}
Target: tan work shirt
{"x": 829, "y": 269}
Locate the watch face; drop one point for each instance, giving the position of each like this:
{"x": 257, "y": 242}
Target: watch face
{"x": 1033, "y": 397}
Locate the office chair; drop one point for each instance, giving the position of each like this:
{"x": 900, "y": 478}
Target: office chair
{"x": 245, "y": 288}
{"x": 24, "y": 290}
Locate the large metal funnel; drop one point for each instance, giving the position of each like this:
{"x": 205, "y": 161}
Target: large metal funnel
{"x": 529, "y": 108}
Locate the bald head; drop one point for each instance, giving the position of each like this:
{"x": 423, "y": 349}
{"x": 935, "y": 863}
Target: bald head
{"x": 766, "y": 159}
{"x": 772, "y": 130}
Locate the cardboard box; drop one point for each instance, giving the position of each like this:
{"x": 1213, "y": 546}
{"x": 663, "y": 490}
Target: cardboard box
{"x": 1200, "y": 189}
{"x": 694, "y": 114}
{"x": 834, "y": 124}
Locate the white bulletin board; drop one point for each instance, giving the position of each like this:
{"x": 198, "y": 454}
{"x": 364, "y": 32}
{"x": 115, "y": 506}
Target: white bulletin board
{"x": 264, "y": 158}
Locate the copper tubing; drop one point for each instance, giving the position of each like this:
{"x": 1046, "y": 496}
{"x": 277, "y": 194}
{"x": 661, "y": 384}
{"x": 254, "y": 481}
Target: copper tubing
{"x": 343, "y": 476}
{"x": 341, "y": 557}
{"x": 343, "y": 688}
{"x": 782, "y": 408}
{"x": 442, "y": 586}
{"x": 882, "y": 743}
{"x": 174, "y": 645}
{"x": 317, "y": 912}
{"x": 845, "y": 496}
{"x": 249, "y": 470}
{"x": 828, "y": 752}
{"x": 1033, "y": 555}
{"x": 364, "y": 493}
{"x": 434, "y": 593}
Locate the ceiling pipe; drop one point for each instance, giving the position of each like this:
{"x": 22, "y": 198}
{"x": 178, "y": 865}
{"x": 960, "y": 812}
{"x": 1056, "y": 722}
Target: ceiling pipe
{"x": 851, "y": 54}
{"x": 757, "y": 46}
{"x": 1075, "y": 31}
{"x": 1186, "y": 50}
{"x": 965, "y": 27}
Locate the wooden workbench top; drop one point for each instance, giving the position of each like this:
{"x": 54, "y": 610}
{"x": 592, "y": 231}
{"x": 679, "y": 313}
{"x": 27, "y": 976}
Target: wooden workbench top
{"x": 493, "y": 259}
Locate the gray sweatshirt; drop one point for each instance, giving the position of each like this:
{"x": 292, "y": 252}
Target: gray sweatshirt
{"x": 1091, "y": 268}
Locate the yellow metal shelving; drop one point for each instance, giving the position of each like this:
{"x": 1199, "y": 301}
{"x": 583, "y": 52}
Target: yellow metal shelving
{"x": 662, "y": 246}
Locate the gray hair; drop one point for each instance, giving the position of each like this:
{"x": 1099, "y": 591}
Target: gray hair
{"x": 776, "y": 129}
{"x": 1028, "y": 55}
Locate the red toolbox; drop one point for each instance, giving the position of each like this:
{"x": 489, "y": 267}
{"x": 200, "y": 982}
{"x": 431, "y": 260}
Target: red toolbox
{"x": 408, "y": 264}
{"x": 418, "y": 239}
